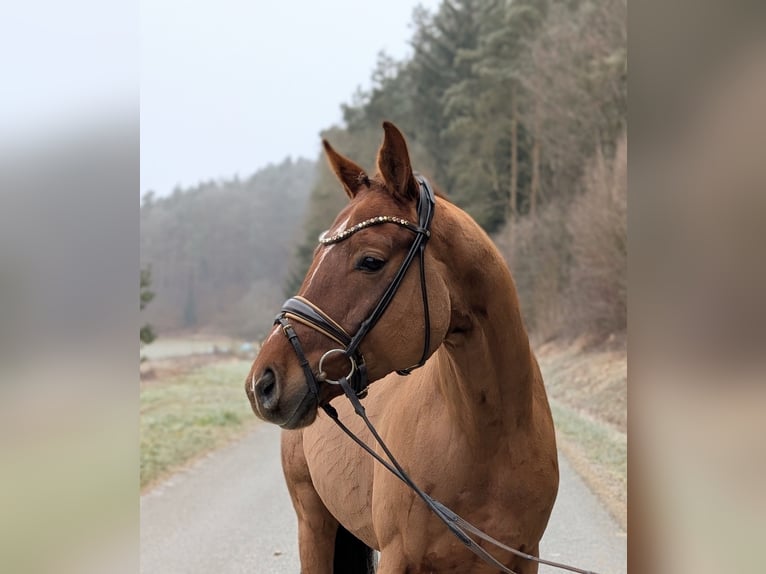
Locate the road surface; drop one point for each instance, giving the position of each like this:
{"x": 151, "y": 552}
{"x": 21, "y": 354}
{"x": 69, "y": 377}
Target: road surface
{"x": 230, "y": 513}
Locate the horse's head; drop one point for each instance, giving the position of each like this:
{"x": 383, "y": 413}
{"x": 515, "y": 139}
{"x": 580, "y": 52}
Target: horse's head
{"x": 368, "y": 247}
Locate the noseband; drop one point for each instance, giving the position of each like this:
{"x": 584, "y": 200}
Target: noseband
{"x": 301, "y": 310}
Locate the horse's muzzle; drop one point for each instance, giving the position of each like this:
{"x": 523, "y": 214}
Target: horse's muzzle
{"x": 270, "y": 401}
{"x": 266, "y": 392}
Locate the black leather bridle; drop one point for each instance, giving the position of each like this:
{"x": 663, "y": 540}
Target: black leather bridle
{"x": 355, "y": 383}
{"x": 301, "y": 310}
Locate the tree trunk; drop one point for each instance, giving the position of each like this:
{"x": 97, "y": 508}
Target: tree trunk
{"x": 514, "y": 157}
{"x": 535, "y": 186}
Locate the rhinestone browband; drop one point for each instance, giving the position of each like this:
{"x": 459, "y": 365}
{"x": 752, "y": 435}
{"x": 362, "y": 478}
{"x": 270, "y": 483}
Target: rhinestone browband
{"x": 340, "y": 236}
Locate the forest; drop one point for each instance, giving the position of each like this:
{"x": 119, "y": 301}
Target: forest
{"x": 517, "y": 110}
{"x": 217, "y": 252}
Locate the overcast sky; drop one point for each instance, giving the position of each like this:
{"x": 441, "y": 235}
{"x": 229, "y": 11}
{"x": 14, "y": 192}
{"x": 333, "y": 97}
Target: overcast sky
{"x": 230, "y": 86}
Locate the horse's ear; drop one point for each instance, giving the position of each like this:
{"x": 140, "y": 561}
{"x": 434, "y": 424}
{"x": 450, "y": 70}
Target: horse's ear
{"x": 350, "y": 174}
{"x": 394, "y": 164}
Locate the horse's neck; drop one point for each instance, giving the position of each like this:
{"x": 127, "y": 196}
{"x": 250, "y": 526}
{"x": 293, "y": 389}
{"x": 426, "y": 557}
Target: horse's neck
{"x": 487, "y": 370}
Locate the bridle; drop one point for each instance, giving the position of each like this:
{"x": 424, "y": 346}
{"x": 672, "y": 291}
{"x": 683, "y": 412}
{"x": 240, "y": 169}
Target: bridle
{"x": 355, "y": 383}
{"x": 301, "y": 310}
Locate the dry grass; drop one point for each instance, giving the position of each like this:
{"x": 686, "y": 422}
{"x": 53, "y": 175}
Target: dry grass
{"x": 591, "y": 381}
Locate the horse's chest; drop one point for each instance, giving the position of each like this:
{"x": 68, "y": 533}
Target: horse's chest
{"x": 341, "y": 474}
{"x": 489, "y": 486}
{"x": 345, "y": 477}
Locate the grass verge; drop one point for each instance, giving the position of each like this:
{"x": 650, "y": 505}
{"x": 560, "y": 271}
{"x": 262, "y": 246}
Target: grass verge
{"x": 598, "y": 453}
{"x": 191, "y": 414}
{"x": 587, "y": 389}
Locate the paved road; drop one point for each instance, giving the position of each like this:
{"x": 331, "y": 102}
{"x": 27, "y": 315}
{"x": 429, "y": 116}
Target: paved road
{"x": 230, "y": 513}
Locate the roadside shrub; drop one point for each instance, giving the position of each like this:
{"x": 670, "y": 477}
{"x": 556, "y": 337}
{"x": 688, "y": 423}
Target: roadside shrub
{"x": 597, "y": 296}
{"x": 570, "y": 261}
{"x": 537, "y": 252}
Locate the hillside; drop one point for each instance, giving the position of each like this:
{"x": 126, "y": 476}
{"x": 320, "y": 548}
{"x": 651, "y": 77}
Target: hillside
{"x": 219, "y": 251}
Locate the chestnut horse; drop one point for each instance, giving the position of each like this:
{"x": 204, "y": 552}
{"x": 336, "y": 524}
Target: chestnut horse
{"x": 471, "y": 426}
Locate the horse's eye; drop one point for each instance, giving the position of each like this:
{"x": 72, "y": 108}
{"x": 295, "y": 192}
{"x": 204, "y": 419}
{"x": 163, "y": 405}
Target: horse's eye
{"x": 370, "y": 264}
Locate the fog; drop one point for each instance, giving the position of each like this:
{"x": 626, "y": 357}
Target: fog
{"x": 229, "y": 87}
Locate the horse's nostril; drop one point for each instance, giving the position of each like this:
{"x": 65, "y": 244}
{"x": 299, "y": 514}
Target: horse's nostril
{"x": 266, "y": 390}
{"x": 268, "y": 387}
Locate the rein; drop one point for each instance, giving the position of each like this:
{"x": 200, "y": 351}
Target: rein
{"x": 355, "y": 383}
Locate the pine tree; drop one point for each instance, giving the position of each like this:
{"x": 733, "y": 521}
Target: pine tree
{"x": 146, "y": 334}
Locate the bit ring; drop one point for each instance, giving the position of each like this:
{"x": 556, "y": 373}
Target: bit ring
{"x": 330, "y": 352}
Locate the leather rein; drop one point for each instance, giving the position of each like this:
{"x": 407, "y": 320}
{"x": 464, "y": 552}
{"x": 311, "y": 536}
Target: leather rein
{"x": 355, "y": 383}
